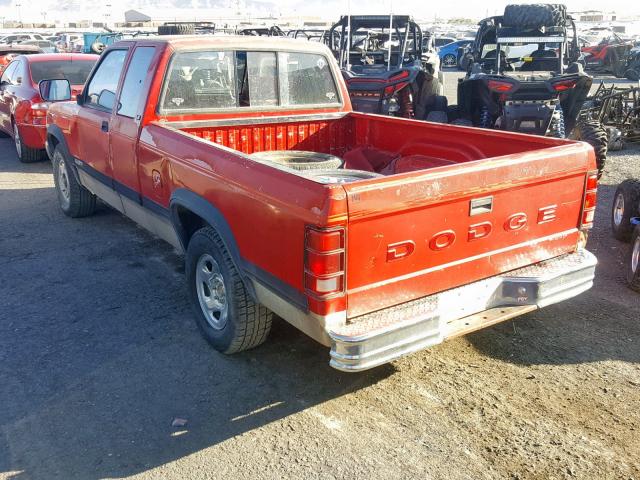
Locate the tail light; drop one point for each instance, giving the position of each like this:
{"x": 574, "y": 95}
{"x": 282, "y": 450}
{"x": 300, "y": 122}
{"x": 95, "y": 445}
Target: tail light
{"x": 590, "y": 199}
{"x": 391, "y": 89}
{"x": 500, "y": 86}
{"x": 37, "y": 114}
{"x": 324, "y": 269}
{"x": 563, "y": 85}
{"x": 400, "y": 75}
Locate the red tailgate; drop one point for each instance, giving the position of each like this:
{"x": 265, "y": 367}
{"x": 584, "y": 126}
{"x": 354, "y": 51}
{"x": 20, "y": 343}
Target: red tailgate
{"x": 416, "y": 234}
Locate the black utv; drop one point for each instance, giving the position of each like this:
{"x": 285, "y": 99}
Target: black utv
{"x": 524, "y": 75}
{"x": 388, "y": 65}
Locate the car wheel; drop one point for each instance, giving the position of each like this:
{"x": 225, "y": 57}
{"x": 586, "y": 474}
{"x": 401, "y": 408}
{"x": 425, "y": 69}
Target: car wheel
{"x": 633, "y": 261}
{"x": 625, "y": 207}
{"x": 449, "y": 61}
{"x": 25, "y": 154}
{"x": 227, "y": 316}
{"x": 74, "y": 199}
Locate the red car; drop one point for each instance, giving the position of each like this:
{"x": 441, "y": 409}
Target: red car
{"x": 23, "y": 113}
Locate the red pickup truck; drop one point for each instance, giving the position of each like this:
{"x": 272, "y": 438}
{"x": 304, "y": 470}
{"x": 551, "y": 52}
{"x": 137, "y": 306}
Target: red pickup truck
{"x": 376, "y": 236}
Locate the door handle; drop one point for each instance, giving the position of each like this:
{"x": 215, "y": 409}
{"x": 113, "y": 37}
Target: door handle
{"x": 105, "y": 126}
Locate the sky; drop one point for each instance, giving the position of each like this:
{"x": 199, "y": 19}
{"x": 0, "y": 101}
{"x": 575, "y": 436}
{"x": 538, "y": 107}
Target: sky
{"x": 31, "y": 10}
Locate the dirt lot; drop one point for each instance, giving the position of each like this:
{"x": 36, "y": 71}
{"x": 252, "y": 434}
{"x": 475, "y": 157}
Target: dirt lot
{"x": 99, "y": 354}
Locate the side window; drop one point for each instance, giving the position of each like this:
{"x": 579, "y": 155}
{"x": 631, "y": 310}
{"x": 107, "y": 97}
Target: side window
{"x": 18, "y": 74}
{"x": 263, "y": 84}
{"x": 8, "y": 73}
{"x": 306, "y": 79}
{"x": 101, "y": 91}
{"x": 134, "y": 81}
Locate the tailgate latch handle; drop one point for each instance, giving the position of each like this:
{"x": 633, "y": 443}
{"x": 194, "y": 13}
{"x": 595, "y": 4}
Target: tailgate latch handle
{"x": 481, "y": 205}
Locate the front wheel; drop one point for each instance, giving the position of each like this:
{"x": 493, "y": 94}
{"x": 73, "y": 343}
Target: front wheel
{"x": 449, "y": 61}
{"x": 633, "y": 261}
{"x": 226, "y": 314}
{"x": 74, "y": 200}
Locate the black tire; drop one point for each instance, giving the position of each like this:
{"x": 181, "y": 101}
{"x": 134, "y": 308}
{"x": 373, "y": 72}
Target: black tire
{"x": 449, "y": 61}
{"x": 179, "y": 29}
{"x": 626, "y": 205}
{"x": 300, "y": 159}
{"x": 632, "y": 74}
{"x": 534, "y": 15}
{"x": 633, "y": 261}
{"x": 246, "y": 323}
{"x": 342, "y": 175}
{"x": 592, "y": 132}
{"x": 74, "y": 200}
{"x": 26, "y": 154}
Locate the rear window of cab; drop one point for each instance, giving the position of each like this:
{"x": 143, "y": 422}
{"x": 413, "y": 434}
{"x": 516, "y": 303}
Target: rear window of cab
{"x": 208, "y": 81}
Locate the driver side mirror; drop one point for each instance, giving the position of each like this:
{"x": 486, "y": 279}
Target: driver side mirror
{"x": 58, "y": 90}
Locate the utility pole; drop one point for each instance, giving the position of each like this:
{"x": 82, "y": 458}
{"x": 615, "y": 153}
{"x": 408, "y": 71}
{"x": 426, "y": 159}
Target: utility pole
{"x": 18, "y": 5}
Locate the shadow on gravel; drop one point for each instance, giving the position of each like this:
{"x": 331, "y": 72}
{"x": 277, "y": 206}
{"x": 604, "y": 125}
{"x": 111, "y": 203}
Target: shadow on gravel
{"x": 99, "y": 353}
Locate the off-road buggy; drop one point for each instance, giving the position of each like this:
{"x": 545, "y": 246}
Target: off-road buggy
{"x": 388, "y": 67}
{"x": 608, "y": 56}
{"x": 524, "y": 76}
{"x": 625, "y": 223}
{"x": 631, "y": 65}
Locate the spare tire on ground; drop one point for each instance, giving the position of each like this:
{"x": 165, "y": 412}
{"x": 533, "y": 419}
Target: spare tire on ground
{"x": 340, "y": 176}
{"x": 177, "y": 29}
{"x": 535, "y": 15}
{"x": 299, "y": 159}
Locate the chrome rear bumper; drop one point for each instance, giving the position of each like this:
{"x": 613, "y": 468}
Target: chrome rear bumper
{"x": 384, "y": 335}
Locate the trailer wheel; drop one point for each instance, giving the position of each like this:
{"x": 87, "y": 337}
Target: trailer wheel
{"x": 299, "y": 159}
{"x": 534, "y": 15}
{"x": 626, "y": 205}
{"x": 226, "y": 315}
{"x": 592, "y": 132}
{"x": 633, "y": 261}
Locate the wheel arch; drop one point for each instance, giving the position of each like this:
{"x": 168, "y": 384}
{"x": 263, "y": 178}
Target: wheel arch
{"x": 189, "y": 212}
{"x": 55, "y": 139}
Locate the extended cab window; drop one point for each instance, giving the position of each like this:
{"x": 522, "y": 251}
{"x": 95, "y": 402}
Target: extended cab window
{"x": 209, "y": 81}
{"x": 101, "y": 91}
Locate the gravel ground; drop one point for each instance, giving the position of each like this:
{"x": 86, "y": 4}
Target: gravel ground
{"x": 99, "y": 355}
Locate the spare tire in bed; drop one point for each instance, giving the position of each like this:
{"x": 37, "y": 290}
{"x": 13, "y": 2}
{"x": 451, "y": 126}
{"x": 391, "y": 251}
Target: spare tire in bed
{"x": 534, "y": 15}
{"x": 299, "y": 159}
{"x": 340, "y": 176}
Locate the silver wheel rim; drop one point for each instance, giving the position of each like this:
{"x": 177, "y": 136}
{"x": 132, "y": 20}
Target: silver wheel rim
{"x": 63, "y": 183}
{"x": 618, "y": 210}
{"x": 635, "y": 255}
{"x": 212, "y": 293}
{"x": 16, "y": 139}
{"x": 449, "y": 60}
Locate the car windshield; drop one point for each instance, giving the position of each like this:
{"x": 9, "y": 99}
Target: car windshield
{"x": 522, "y": 56}
{"x": 76, "y": 71}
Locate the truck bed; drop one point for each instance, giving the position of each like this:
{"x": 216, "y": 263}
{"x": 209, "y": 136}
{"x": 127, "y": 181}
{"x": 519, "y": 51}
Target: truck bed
{"x": 426, "y": 207}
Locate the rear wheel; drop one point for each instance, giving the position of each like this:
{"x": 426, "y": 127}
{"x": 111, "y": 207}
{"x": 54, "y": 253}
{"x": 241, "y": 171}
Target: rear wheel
{"x": 534, "y": 15}
{"x": 25, "y": 154}
{"x": 592, "y": 132}
{"x": 179, "y": 29}
{"x": 75, "y": 200}
{"x": 626, "y": 205}
{"x": 632, "y": 74}
{"x": 226, "y": 314}
{"x": 449, "y": 61}
{"x": 633, "y": 261}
